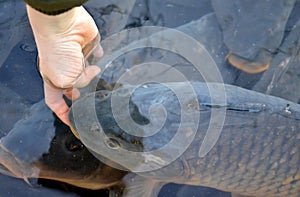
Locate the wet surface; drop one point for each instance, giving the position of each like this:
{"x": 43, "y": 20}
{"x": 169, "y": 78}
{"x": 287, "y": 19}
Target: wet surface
{"x": 20, "y": 80}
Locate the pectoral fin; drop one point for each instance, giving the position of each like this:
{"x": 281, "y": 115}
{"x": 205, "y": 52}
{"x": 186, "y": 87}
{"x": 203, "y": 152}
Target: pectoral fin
{"x": 138, "y": 186}
{"x": 248, "y": 66}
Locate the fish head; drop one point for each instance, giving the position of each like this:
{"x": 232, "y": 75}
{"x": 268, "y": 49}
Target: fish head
{"x": 68, "y": 160}
{"x": 115, "y": 136}
{"x": 130, "y": 126}
{"x": 41, "y": 146}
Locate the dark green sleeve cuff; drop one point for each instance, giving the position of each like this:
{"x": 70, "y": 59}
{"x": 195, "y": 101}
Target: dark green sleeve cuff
{"x": 54, "y": 7}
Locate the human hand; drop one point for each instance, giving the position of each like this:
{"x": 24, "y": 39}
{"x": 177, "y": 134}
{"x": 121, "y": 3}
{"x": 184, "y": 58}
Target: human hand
{"x": 60, "y": 41}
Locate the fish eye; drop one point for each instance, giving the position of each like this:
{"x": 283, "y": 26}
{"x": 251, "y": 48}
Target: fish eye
{"x": 112, "y": 143}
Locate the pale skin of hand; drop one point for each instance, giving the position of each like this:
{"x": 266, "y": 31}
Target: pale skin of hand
{"x": 60, "y": 40}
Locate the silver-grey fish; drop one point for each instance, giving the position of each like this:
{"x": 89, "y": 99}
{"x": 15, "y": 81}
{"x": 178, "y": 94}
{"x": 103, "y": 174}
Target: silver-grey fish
{"x": 255, "y": 154}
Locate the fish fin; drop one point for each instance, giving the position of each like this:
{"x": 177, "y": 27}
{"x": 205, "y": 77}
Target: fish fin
{"x": 238, "y": 195}
{"x": 6, "y": 172}
{"x": 12, "y": 166}
{"x": 246, "y": 65}
{"x": 27, "y": 181}
{"x": 138, "y": 186}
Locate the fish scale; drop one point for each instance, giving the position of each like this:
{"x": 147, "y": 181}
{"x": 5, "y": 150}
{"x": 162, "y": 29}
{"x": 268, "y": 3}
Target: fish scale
{"x": 256, "y": 154}
{"x": 265, "y": 180}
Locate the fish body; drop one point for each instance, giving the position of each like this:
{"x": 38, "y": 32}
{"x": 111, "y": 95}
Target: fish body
{"x": 255, "y": 153}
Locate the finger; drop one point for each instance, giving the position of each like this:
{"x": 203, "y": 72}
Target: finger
{"x": 94, "y": 55}
{"x": 72, "y": 94}
{"x": 93, "y": 46}
{"x": 55, "y": 101}
{"x": 87, "y": 75}
{"x": 98, "y": 52}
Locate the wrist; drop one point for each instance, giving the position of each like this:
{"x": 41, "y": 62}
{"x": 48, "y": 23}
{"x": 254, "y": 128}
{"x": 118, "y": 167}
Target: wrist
{"x": 44, "y": 25}
{"x": 75, "y": 25}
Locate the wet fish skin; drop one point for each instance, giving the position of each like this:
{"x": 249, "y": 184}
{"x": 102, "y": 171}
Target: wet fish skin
{"x": 69, "y": 161}
{"x": 40, "y": 146}
{"x": 256, "y": 154}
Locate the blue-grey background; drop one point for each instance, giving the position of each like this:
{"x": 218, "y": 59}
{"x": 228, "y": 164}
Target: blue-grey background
{"x": 18, "y": 66}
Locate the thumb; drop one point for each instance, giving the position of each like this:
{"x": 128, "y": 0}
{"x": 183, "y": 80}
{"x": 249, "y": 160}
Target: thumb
{"x": 86, "y": 76}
